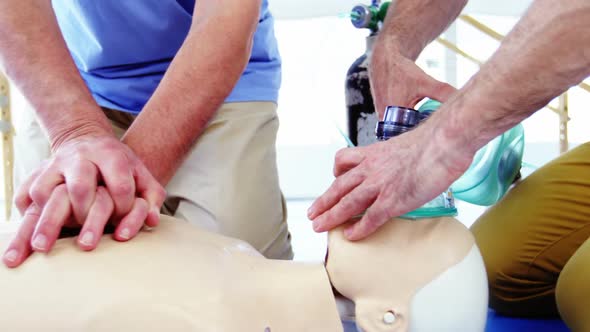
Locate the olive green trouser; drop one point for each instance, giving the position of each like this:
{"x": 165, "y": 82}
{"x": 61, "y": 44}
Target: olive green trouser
{"x": 535, "y": 243}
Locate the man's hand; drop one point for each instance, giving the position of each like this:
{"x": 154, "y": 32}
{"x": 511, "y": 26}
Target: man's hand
{"x": 88, "y": 181}
{"x": 387, "y": 179}
{"x": 397, "y": 80}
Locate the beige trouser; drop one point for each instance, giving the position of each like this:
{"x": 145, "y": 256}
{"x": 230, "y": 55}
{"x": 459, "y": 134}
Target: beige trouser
{"x": 228, "y": 182}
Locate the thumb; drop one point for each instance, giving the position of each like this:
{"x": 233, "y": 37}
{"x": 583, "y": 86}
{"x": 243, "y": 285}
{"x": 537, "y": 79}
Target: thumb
{"x": 152, "y": 191}
{"x": 437, "y": 90}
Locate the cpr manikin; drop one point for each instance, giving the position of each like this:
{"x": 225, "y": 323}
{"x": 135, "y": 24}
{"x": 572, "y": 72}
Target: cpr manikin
{"x": 425, "y": 275}
{"x": 412, "y": 275}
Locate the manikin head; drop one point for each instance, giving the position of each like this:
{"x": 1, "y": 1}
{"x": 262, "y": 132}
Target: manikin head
{"x": 412, "y": 275}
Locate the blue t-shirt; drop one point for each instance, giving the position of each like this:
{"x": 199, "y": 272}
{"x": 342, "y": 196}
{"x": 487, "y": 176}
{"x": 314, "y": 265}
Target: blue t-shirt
{"x": 122, "y": 49}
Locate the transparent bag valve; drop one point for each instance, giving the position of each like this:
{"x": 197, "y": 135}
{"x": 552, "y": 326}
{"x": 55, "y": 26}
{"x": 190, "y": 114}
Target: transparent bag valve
{"x": 494, "y": 168}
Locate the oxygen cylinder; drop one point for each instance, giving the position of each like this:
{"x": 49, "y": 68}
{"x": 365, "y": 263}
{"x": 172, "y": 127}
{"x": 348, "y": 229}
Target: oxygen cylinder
{"x": 361, "y": 115}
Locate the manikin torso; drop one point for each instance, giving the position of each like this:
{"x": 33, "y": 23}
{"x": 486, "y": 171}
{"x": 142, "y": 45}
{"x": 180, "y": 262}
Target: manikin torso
{"x": 427, "y": 273}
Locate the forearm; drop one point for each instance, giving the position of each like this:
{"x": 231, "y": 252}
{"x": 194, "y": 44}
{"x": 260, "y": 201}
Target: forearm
{"x": 34, "y": 55}
{"x": 410, "y": 25}
{"x": 199, "y": 79}
{"x": 545, "y": 54}
{"x": 413, "y": 24}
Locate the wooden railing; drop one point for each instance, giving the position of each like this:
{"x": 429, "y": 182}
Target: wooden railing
{"x": 7, "y": 144}
{"x": 563, "y": 104}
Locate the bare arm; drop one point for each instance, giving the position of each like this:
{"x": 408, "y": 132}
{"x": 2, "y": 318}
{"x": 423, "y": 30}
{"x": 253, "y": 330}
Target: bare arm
{"x": 201, "y": 76}
{"x": 65, "y": 189}
{"x": 545, "y": 54}
{"x": 413, "y": 24}
{"x": 410, "y": 26}
{"x": 34, "y": 55}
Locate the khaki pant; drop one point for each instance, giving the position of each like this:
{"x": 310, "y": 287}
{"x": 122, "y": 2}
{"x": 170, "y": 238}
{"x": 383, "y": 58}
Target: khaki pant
{"x": 535, "y": 243}
{"x": 228, "y": 183}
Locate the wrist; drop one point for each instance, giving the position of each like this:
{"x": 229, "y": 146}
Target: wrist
{"x": 159, "y": 151}
{"x": 77, "y": 130}
{"x": 452, "y": 139}
{"x": 391, "y": 43}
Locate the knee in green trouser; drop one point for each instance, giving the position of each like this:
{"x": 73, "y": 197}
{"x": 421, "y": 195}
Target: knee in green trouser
{"x": 573, "y": 290}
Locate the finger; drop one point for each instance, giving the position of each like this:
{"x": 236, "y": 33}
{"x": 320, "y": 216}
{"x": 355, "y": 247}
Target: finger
{"x": 349, "y": 206}
{"x": 53, "y": 217}
{"x": 152, "y": 192}
{"x": 20, "y": 247}
{"x": 118, "y": 178}
{"x": 44, "y": 185}
{"x": 98, "y": 216}
{"x": 347, "y": 159}
{"x": 436, "y": 90}
{"x": 132, "y": 222}
{"x": 377, "y": 215}
{"x": 340, "y": 187}
{"x": 81, "y": 181}
{"x": 22, "y": 199}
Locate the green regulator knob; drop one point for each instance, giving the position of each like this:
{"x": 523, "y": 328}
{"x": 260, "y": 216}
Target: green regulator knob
{"x": 369, "y": 16}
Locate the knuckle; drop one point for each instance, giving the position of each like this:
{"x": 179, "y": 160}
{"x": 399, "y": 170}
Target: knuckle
{"x": 39, "y": 194}
{"x": 86, "y": 167}
{"x": 79, "y": 190}
{"x": 160, "y": 194}
{"x": 61, "y": 190}
{"x": 387, "y": 211}
{"x": 21, "y": 200}
{"x": 76, "y": 159}
{"x": 122, "y": 188}
{"x": 348, "y": 203}
{"x": 340, "y": 156}
{"x": 341, "y": 184}
{"x": 120, "y": 158}
{"x": 141, "y": 205}
{"x": 320, "y": 202}
{"x": 356, "y": 177}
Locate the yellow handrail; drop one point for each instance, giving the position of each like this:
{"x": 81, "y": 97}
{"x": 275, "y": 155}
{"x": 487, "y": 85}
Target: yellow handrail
{"x": 453, "y": 47}
{"x": 482, "y": 27}
{"x": 7, "y": 144}
{"x": 499, "y": 37}
{"x": 563, "y": 120}
{"x": 562, "y": 110}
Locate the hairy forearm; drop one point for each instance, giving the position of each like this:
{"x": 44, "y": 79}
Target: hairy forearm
{"x": 413, "y": 24}
{"x": 34, "y": 55}
{"x": 200, "y": 77}
{"x": 410, "y": 25}
{"x": 545, "y": 54}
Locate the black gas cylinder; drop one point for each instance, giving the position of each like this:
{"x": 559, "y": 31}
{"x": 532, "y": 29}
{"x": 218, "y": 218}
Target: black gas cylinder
{"x": 361, "y": 115}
